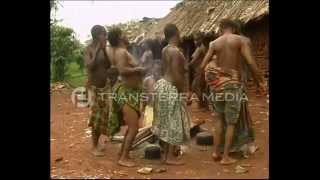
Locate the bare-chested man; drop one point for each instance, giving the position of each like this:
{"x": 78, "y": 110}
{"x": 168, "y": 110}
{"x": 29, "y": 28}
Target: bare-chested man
{"x": 223, "y": 77}
{"x": 97, "y": 63}
{"x": 171, "y": 120}
{"x": 147, "y": 57}
{"x": 126, "y": 101}
{"x": 198, "y": 82}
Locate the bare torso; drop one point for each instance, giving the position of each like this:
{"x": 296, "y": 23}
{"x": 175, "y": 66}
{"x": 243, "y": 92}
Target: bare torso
{"x": 174, "y": 67}
{"x": 228, "y": 51}
{"x": 121, "y": 58}
{"x": 97, "y": 74}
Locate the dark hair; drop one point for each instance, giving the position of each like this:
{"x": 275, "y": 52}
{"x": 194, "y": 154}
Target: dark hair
{"x": 239, "y": 24}
{"x": 96, "y": 30}
{"x": 227, "y": 23}
{"x": 148, "y": 43}
{"x": 208, "y": 37}
{"x": 199, "y": 35}
{"x": 114, "y": 36}
{"x": 170, "y": 30}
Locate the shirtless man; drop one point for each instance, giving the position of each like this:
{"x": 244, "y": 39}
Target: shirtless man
{"x": 198, "y": 83}
{"x": 171, "y": 122}
{"x": 147, "y": 57}
{"x": 224, "y": 77}
{"x": 97, "y": 64}
{"x": 125, "y": 108}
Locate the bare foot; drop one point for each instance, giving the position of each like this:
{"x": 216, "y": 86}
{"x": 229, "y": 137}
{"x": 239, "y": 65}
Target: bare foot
{"x": 97, "y": 153}
{"x": 174, "y": 162}
{"x": 101, "y": 148}
{"x": 126, "y": 163}
{"x": 227, "y": 161}
{"x": 216, "y": 157}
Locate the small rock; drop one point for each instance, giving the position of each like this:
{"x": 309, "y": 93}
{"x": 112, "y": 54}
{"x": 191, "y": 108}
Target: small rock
{"x": 226, "y": 170}
{"x": 145, "y": 170}
{"x": 59, "y": 159}
{"x": 240, "y": 170}
{"x": 265, "y": 169}
{"x": 245, "y": 165}
{"x": 262, "y": 131}
{"x": 257, "y": 122}
{"x": 203, "y": 148}
{"x": 72, "y": 171}
{"x": 122, "y": 173}
{"x": 161, "y": 170}
{"x": 253, "y": 149}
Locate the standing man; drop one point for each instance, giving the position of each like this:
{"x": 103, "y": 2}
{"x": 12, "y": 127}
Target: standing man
{"x": 171, "y": 120}
{"x": 224, "y": 78}
{"x": 97, "y": 64}
{"x": 198, "y": 85}
{"x": 126, "y": 94}
{"x": 147, "y": 57}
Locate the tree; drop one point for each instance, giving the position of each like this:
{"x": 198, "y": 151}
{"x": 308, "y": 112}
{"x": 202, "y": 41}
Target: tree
{"x": 65, "y": 48}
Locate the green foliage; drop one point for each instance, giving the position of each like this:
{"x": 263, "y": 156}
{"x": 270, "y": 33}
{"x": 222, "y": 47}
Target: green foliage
{"x": 65, "y": 49}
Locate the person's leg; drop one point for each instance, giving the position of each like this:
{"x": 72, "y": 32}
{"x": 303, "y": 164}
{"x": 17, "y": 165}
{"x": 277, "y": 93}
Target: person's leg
{"x": 216, "y": 155}
{"x": 130, "y": 117}
{"x": 121, "y": 149}
{"x": 171, "y": 158}
{"x": 95, "y": 134}
{"x": 226, "y": 159}
{"x": 165, "y": 147}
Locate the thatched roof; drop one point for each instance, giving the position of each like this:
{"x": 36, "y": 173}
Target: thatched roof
{"x": 204, "y": 15}
{"x": 135, "y": 28}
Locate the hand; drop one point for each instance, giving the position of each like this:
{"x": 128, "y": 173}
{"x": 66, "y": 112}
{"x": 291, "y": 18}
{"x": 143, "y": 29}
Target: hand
{"x": 262, "y": 89}
{"x": 102, "y": 45}
{"x": 96, "y": 49}
{"x": 141, "y": 69}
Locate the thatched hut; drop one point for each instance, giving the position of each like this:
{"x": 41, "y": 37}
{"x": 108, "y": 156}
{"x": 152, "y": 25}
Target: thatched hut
{"x": 191, "y": 16}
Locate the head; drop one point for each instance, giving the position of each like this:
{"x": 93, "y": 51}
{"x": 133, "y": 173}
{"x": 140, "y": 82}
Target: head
{"x": 171, "y": 33}
{"x": 207, "y": 38}
{"x": 198, "y": 38}
{"x": 227, "y": 26}
{"x": 156, "y": 71}
{"x": 146, "y": 44}
{"x": 124, "y": 41}
{"x": 115, "y": 36}
{"x": 99, "y": 34}
{"x": 239, "y": 27}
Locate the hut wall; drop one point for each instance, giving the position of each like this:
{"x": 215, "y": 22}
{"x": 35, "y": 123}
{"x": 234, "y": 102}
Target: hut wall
{"x": 258, "y": 32}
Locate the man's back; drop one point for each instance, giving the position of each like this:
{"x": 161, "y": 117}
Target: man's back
{"x": 228, "y": 51}
{"x": 173, "y": 64}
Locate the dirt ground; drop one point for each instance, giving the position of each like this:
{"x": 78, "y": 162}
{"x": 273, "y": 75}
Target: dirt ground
{"x": 71, "y": 157}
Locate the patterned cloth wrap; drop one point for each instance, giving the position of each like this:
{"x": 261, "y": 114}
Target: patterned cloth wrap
{"x": 232, "y": 103}
{"x": 122, "y": 95}
{"x": 171, "y": 121}
{"x": 99, "y": 109}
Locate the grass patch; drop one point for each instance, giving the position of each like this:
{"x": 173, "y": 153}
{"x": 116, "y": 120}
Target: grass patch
{"x": 74, "y": 76}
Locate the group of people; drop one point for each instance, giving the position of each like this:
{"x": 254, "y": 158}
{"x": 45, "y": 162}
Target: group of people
{"x": 140, "y": 85}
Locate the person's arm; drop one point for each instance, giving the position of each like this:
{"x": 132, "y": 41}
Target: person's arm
{"x": 247, "y": 54}
{"x": 208, "y": 56}
{"x": 90, "y": 56}
{"x": 195, "y": 56}
{"x": 126, "y": 70}
{"x": 178, "y": 69}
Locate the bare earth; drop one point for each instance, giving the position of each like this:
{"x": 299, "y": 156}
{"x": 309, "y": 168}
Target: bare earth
{"x": 71, "y": 157}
